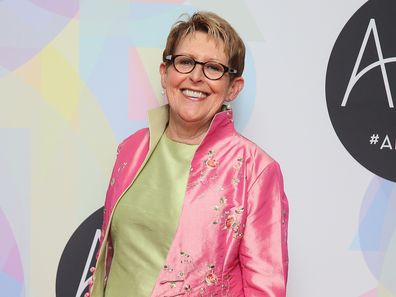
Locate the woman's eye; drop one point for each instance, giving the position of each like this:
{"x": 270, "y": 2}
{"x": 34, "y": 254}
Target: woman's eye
{"x": 186, "y": 62}
{"x": 214, "y": 67}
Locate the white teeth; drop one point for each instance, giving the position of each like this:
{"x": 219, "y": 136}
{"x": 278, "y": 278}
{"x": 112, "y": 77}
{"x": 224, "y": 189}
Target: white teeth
{"x": 195, "y": 94}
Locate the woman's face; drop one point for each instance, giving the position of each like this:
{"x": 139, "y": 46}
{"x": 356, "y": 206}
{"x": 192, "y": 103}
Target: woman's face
{"x": 193, "y": 98}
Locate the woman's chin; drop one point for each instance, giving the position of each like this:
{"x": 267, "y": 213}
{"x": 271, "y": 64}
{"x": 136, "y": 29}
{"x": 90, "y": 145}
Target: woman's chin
{"x": 190, "y": 119}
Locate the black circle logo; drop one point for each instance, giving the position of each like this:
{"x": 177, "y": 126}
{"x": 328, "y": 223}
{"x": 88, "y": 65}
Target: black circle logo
{"x": 78, "y": 256}
{"x": 361, "y": 87}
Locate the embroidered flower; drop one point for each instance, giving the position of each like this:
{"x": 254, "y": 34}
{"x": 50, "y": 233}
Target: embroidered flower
{"x": 205, "y": 175}
{"x": 230, "y": 221}
{"x": 212, "y": 163}
{"x": 211, "y": 279}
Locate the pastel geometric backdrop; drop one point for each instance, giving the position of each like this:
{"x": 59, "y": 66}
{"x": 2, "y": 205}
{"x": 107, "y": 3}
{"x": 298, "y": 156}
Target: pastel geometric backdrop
{"x": 76, "y": 77}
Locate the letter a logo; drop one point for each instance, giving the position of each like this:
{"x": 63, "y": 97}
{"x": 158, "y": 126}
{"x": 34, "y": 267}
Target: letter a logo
{"x": 372, "y": 28}
{"x": 361, "y": 87}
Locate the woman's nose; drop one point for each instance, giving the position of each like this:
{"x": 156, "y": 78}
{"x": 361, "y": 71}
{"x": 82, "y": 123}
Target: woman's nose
{"x": 197, "y": 73}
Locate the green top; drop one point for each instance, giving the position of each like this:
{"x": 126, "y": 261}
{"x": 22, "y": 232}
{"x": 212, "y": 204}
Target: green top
{"x": 145, "y": 220}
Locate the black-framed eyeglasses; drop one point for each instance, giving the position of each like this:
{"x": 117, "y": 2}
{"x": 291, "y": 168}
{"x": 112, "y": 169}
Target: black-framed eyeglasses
{"x": 212, "y": 70}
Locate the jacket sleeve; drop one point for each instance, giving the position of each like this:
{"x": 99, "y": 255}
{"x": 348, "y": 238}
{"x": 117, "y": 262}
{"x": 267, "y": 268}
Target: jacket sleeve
{"x": 263, "y": 251}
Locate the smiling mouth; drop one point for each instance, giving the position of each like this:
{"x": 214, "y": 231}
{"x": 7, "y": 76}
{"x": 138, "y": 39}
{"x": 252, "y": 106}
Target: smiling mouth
{"x": 194, "y": 94}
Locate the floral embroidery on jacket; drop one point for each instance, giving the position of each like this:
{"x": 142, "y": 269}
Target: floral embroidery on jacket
{"x": 211, "y": 279}
{"x": 219, "y": 208}
{"x": 232, "y": 222}
{"x": 209, "y": 164}
{"x": 229, "y": 219}
{"x": 237, "y": 166}
{"x": 210, "y": 276}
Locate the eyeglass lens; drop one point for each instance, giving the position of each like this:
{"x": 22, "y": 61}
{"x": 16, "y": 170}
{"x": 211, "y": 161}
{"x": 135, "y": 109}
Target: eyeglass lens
{"x": 212, "y": 70}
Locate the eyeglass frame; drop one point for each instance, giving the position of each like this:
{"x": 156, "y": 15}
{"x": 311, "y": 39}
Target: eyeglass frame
{"x": 229, "y": 70}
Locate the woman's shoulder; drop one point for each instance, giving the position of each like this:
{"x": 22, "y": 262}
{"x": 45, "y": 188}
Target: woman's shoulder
{"x": 259, "y": 164}
{"x": 255, "y": 156}
{"x": 138, "y": 138}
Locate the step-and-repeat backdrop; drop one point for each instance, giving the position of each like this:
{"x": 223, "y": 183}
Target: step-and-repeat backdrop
{"x": 76, "y": 77}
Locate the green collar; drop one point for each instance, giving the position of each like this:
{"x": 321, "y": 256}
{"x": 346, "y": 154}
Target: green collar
{"x": 158, "y": 120}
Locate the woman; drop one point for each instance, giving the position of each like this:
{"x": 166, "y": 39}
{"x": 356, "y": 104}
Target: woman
{"x": 193, "y": 208}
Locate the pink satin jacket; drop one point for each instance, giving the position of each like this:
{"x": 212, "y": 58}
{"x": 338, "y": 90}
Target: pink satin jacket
{"x": 232, "y": 234}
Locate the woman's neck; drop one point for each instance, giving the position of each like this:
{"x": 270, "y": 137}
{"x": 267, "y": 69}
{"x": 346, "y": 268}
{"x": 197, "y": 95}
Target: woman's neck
{"x": 186, "y": 133}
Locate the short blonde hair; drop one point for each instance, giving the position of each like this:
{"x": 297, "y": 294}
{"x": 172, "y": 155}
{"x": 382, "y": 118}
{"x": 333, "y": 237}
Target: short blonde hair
{"x": 217, "y": 28}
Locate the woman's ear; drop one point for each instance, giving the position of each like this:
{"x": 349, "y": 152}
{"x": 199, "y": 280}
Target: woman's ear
{"x": 162, "y": 70}
{"x": 235, "y": 88}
